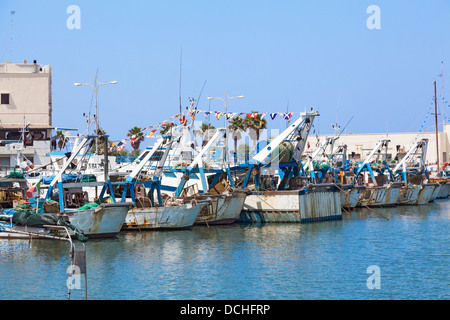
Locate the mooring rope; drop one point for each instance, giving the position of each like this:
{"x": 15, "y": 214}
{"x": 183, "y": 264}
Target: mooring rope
{"x": 361, "y": 203}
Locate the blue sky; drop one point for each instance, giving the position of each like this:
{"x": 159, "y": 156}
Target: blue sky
{"x": 278, "y": 54}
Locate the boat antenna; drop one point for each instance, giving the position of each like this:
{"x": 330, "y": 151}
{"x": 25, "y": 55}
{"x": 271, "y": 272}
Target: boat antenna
{"x": 201, "y": 91}
{"x": 443, "y": 97}
{"x": 436, "y": 121}
{"x": 342, "y": 131}
{"x": 181, "y": 64}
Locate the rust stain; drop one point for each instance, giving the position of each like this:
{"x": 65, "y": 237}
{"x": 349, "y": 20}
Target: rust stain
{"x": 98, "y": 217}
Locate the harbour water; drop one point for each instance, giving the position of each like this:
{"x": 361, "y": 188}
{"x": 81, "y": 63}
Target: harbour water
{"x": 327, "y": 260}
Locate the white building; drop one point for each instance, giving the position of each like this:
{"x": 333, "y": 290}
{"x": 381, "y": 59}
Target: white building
{"x": 360, "y": 145}
{"x": 25, "y": 112}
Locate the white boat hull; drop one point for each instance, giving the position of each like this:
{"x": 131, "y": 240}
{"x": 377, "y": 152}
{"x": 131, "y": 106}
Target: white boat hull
{"x": 224, "y": 208}
{"x": 409, "y": 195}
{"x": 100, "y": 222}
{"x": 426, "y": 193}
{"x": 384, "y": 196}
{"x": 318, "y": 203}
{"x": 154, "y": 218}
{"x": 350, "y": 196}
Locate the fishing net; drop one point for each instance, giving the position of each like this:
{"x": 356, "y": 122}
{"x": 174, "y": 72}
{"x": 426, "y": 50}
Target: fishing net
{"x": 88, "y": 206}
{"x": 15, "y": 175}
{"x": 88, "y": 178}
{"x": 26, "y": 215}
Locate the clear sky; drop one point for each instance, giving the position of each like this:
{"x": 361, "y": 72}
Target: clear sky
{"x": 281, "y": 55}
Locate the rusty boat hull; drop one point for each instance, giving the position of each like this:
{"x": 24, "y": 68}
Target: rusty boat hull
{"x": 175, "y": 217}
{"x": 223, "y": 209}
{"x": 443, "y": 190}
{"x": 314, "y": 203}
{"x": 104, "y": 221}
{"x": 426, "y": 193}
{"x": 444, "y": 193}
{"x": 350, "y": 196}
{"x": 381, "y": 196}
{"x": 409, "y": 195}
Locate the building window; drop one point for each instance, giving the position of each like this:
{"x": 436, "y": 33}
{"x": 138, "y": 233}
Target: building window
{"x": 5, "y": 98}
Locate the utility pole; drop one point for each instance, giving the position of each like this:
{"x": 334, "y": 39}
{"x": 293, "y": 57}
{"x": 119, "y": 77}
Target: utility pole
{"x": 95, "y": 85}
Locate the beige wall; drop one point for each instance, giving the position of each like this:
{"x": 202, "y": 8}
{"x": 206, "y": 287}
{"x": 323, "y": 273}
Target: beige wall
{"x": 29, "y": 87}
{"x": 30, "y": 96}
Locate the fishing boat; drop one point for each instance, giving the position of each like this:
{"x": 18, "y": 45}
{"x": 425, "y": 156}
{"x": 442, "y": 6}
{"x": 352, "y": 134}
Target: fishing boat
{"x": 226, "y": 201}
{"x": 292, "y": 198}
{"x": 442, "y": 190}
{"x": 350, "y": 192}
{"x": 156, "y": 213}
{"x": 374, "y": 174}
{"x": 101, "y": 218}
{"x": 411, "y": 171}
{"x": 333, "y": 167}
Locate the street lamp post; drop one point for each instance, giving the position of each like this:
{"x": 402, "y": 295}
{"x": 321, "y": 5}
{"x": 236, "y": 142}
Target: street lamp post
{"x": 95, "y": 85}
{"x": 225, "y": 100}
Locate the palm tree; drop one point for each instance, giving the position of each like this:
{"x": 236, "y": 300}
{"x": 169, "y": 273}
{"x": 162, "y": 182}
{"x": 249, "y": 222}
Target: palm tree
{"x": 256, "y": 124}
{"x": 203, "y": 129}
{"x": 101, "y": 141}
{"x": 137, "y": 136}
{"x": 207, "y": 126}
{"x": 62, "y": 139}
{"x": 167, "y": 128}
{"x": 237, "y": 125}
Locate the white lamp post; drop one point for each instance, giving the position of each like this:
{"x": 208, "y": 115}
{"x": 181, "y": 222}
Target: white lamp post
{"x": 95, "y": 85}
{"x": 225, "y": 100}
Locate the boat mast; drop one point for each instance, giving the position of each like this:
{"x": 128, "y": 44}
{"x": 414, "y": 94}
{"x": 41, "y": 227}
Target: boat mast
{"x": 436, "y": 121}
{"x": 443, "y": 102}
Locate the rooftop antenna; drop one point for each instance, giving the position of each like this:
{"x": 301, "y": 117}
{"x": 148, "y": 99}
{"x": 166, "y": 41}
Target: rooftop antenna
{"x": 12, "y": 13}
{"x": 181, "y": 63}
{"x": 201, "y": 91}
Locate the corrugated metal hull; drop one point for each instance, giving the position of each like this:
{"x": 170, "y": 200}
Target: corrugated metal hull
{"x": 444, "y": 192}
{"x": 426, "y": 193}
{"x": 409, "y": 195}
{"x": 224, "y": 208}
{"x": 298, "y": 206}
{"x": 174, "y": 217}
{"x": 373, "y": 196}
{"x": 384, "y": 196}
{"x": 101, "y": 222}
{"x": 436, "y": 191}
{"x": 394, "y": 193}
{"x": 350, "y": 196}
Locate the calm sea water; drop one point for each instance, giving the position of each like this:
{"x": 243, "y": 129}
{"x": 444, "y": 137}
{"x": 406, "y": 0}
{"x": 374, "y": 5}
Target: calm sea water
{"x": 327, "y": 260}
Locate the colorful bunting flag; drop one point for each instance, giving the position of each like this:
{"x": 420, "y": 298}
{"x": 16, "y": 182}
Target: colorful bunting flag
{"x": 151, "y": 133}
